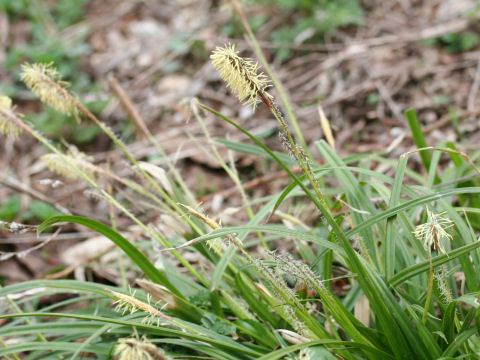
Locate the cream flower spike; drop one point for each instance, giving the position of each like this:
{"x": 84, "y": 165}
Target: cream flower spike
{"x": 7, "y": 113}
{"x": 47, "y": 84}
{"x": 241, "y": 75}
{"x": 433, "y": 232}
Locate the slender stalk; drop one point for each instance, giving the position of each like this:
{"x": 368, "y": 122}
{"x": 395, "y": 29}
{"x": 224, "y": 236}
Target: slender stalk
{"x": 429, "y": 293}
{"x": 19, "y": 311}
{"x": 130, "y": 157}
{"x": 230, "y": 170}
{"x": 134, "y": 114}
{"x": 107, "y": 196}
{"x": 15, "y": 356}
{"x": 281, "y": 91}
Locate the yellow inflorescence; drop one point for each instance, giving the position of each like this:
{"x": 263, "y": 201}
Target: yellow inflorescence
{"x": 241, "y": 75}
{"x": 47, "y": 84}
{"x": 433, "y": 232}
{"x": 7, "y": 113}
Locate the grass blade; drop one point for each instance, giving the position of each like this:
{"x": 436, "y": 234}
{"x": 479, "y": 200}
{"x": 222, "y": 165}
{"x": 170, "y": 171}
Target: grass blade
{"x": 131, "y": 251}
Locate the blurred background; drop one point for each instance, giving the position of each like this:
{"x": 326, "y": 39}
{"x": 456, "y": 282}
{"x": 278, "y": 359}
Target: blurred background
{"x": 364, "y": 62}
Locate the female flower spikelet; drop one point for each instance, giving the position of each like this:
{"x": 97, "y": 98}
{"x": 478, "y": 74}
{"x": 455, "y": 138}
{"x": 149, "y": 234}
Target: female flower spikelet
{"x": 241, "y": 75}
{"x": 7, "y": 113}
{"x": 441, "y": 277}
{"x": 433, "y": 232}
{"x": 47, "y": 84}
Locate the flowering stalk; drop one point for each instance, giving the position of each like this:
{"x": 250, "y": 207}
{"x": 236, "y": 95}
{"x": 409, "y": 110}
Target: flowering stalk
{"x": 433, "y": 233}
{"x": 241, "y": 75}
{"x": 47, "y": 84}
{"x": 129, "y": 304}
{"x": 281, "y": 92}
{"x": 16, "y": 121}
{"x": 56, "y": 163}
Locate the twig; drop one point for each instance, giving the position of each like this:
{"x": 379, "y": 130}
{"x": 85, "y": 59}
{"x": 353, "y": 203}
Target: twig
{"x": 18, "y": 186}
{"x": 127, "y": 104}
{"x": 472, "y": 96}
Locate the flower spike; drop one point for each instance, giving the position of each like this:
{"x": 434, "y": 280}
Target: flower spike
{"x": 433, "y": 232}
{"x": 241, "y": 75}
{"x": 47, "y": 84}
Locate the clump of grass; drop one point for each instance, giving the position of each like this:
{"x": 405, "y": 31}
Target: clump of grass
{"x": 247, "y": 304}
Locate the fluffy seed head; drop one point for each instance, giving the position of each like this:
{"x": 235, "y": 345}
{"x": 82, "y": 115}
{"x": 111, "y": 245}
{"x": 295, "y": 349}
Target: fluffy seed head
{"x": 7, "y": 113}
{"x": 47, "y": 84}
{"x": 241, "y": 75}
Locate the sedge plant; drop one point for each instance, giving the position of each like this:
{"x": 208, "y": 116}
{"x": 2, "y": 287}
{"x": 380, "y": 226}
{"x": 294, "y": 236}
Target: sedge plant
{"x": 402, "y": 244}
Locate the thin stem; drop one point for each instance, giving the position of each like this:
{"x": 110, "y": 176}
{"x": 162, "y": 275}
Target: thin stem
{"x": 429, "y": 293}
{"x": 281, "y": 91}
{"x": 19, "y": 311}
{"x": 134, "y": 114}
{"x": 230, "y": 170}
{"x": 124, "y": 149}
{"x": 107, "y": 196}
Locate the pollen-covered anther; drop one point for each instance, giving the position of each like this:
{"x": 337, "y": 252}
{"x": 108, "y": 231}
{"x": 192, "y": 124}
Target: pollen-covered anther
{"x": 241, "y": 75}
{"x": 433, "y": 232}
{"x": 47, "y": 84}
{"x": 7, "y": 114}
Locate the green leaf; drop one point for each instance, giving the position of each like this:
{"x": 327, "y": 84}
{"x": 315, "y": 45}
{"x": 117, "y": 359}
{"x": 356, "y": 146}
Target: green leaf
{"x": 335, "y": 344}
{"x": 423, "y": 266}
{"x": 202, "y": 334}
{"x": 257, "y": 330}
{"x": 51, "y": 346}
{"x": 130, "y": 250}
{"x": 210, "y": 321}
{"x": 390, "y": 238}
{"x": 448, "y": 323}
{"x": 418, "y": 137}
{"x": 43, "y": 211}
{"x": 10, "y": 208}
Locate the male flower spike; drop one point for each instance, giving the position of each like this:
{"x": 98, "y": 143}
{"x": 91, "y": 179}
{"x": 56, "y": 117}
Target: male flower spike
{"x": 242, "y": 76}
{"x": 47, "y": 84}
{"x": 433, "y": 232}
